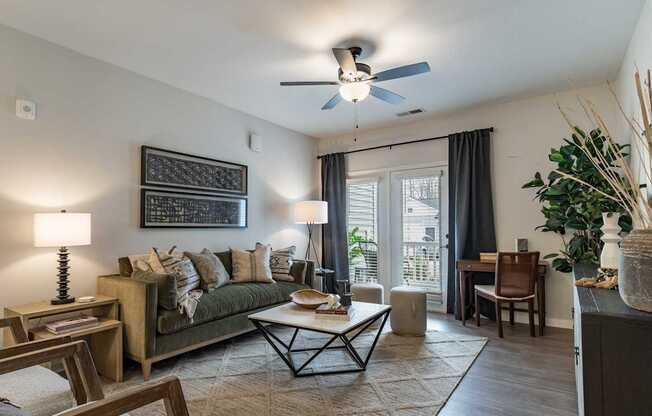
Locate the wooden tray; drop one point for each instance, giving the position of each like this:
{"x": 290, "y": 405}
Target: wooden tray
{"x": 309, "y": 298}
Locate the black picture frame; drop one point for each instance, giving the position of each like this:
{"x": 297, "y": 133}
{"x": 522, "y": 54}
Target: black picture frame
{"x": 171, "y": 169}
{"x": 146, "y": 210}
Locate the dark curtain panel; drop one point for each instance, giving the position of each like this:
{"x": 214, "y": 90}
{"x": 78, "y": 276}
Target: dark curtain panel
{"x": 470, "y": 212}
{"x": 334, "y": 237}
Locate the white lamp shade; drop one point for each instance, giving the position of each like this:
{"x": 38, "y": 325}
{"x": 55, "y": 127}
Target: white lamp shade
{"x": 62, "y": 229}
{"x": 311, "y": 212}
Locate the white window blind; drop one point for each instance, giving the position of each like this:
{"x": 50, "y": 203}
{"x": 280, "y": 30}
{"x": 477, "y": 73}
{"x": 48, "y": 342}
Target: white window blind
{"x": 421, "y": 245}
{"x": 362, "y": 227}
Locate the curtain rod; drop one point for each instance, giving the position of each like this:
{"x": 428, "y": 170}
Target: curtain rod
{"x": 384, "y": 146}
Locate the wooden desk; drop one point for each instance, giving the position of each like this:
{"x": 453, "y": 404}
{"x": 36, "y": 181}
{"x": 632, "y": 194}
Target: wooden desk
{"x": 104, "y": 340}
{"x": 466, "y": 268}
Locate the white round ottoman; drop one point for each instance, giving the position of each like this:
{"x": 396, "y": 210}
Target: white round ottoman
{"x": 367, "y": 292}
{"x": 370, "y": 293}
{"x": 408, "y": 316}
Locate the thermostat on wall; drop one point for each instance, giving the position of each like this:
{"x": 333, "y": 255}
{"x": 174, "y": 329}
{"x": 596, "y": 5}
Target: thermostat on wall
{"x": 25, "y": 109}
{"x": 256, "y": 142}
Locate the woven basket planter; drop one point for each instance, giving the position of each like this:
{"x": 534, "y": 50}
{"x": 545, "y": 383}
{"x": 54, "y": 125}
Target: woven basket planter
{"x": 635, "y": 271}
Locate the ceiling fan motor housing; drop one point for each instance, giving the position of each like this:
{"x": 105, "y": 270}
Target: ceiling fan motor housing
{"x": 364, "y": 71}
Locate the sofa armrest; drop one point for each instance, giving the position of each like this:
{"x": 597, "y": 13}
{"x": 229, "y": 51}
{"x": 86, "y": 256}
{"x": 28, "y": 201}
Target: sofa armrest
{"x": 138, "y": 311}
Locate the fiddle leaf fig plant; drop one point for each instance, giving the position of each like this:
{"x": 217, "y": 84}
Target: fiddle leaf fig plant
{"x": 573, "y": 210}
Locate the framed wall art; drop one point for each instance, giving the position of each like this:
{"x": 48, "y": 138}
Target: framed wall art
{"x": 167, "y": 168}
{"x": 170, "y": 209}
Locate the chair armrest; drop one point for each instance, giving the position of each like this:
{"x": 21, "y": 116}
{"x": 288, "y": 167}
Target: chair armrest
{"x": 83, "y": 378}
{"x": 15, "y": 325}
{"x": 167, "y": 389}
{"x": 30, "y": 346}
{"x": 138, "y": 310}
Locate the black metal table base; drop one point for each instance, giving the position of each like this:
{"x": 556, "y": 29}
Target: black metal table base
{"x": 347, "y": 345}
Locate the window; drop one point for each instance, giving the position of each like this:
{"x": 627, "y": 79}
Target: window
{"x": 420, "y": 231}
{"x": 362, "y": 227}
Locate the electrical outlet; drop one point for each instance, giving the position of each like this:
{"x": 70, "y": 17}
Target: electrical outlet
{"x": 25, "y": 109}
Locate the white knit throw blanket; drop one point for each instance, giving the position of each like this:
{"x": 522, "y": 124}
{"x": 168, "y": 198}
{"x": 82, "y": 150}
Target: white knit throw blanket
{"x": 188, "y": 303}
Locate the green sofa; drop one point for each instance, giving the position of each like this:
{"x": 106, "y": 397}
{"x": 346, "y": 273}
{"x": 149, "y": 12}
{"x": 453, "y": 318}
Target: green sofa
{"x": 153, "y": 333}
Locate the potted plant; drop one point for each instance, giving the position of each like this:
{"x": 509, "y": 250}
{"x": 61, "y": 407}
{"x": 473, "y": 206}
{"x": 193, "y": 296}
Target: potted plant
{"x": 572, "y": 209}
{"x": 635, "y": 271}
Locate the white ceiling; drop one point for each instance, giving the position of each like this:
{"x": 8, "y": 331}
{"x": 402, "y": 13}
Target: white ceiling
{"x": 237, "y": 51}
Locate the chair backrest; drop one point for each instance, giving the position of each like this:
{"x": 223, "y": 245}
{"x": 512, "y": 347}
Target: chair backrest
{"x": 516, "y": 271}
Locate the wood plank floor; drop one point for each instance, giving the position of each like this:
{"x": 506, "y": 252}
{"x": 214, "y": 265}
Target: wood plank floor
{"x": 516, "y": 375}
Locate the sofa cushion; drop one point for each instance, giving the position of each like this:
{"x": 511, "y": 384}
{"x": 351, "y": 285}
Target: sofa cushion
{"x": 225, "y": 301}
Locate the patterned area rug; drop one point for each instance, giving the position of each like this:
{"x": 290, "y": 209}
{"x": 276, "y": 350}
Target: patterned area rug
{"x": 243, "y": 377}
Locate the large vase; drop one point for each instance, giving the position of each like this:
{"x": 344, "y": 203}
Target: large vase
{"x": 635, "y": 271}
{"x": 611, "y": 252}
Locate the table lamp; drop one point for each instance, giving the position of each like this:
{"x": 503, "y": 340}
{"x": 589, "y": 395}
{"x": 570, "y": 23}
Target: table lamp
{"x": 310, "y": 213}
{"x": 63, "y": 230}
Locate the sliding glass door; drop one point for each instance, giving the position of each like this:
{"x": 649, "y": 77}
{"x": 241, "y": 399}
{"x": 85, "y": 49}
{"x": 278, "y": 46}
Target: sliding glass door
{"x": 397, "y": 225}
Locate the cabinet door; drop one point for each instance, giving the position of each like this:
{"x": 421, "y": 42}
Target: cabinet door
{"x": 577, "y": 332}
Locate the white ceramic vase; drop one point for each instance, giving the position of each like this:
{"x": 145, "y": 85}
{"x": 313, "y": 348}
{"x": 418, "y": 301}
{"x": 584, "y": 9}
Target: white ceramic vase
{"x": 611, "y": 252}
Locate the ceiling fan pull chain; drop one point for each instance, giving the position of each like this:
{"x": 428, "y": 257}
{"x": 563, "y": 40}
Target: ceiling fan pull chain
{"x": 355, "y": 107}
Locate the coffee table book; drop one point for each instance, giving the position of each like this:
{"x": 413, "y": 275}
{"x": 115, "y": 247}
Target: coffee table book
{"x": 326, "y": 312}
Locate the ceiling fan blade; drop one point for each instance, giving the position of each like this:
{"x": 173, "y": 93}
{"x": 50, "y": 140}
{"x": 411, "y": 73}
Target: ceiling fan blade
{"x": 402, "y": 72}
{"x": 332, "y": 102}
{"x": 386, "y": 95}
{"x": 299, "y": 83}
{"x": 345, "y": 59}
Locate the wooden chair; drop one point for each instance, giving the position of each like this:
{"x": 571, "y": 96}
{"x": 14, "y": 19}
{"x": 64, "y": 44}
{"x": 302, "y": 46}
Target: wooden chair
{"x": 82, "y": 376}
{"x": 516, "y": 275}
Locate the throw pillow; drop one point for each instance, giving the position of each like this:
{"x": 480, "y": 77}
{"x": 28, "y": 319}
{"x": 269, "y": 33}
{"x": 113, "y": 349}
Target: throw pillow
{"x": 140, "y": 262}
{"x": 210, "y": 268}
{"x": 166, "y": 284}
{"x": 281, "y": 263}
{"x": 187, "y": 277}
{"x": 252, "y": 266}
{"x": 154, "y": 260}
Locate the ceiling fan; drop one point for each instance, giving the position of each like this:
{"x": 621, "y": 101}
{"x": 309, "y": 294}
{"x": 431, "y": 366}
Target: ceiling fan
{"x": 355, "y": 79}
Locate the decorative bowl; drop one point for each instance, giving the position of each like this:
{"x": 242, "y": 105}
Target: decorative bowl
{"x": 309, "y": 298}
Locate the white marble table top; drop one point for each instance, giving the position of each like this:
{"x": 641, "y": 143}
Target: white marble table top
{"x": 293, "y": 315}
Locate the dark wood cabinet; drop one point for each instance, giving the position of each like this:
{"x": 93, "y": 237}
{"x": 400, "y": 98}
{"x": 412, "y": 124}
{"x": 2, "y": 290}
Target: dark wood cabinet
{"x": 613, "y": 352}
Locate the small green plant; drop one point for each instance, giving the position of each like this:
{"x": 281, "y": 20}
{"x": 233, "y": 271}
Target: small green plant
{"x": 572, "y": 209}
{"x": 355, "y": 240}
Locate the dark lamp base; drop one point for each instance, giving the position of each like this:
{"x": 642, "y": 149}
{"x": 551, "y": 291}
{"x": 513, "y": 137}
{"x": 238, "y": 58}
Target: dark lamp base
{"x": 57, "y": 301}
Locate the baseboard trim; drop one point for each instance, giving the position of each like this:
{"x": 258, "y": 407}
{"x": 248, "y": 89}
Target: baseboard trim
{"x": 522, "y": 318}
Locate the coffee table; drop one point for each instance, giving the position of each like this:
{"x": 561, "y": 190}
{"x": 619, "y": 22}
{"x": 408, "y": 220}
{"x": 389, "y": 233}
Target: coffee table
{"x": 363, "y": 315}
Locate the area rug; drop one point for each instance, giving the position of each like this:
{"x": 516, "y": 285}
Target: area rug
{"x": 244, "y": 377}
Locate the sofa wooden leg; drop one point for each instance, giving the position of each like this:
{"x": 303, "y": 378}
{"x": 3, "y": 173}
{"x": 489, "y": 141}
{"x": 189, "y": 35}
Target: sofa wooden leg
{"x": 147, "y": 369}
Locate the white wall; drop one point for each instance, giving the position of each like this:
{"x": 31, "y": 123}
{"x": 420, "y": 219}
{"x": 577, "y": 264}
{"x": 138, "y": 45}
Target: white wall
{"x": 639, "y": 53}
{"x": 82, "y": 154}
{"x": 525, "y": 130}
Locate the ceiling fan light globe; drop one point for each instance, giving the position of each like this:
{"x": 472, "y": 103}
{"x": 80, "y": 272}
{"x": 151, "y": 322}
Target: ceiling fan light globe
{"x": 355, "y": 91}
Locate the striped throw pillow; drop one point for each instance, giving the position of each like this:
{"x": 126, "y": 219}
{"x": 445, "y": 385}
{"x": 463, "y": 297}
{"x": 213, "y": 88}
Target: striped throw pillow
{"x": 252, "y": 266}
{"x": 182, "y": 268}
{"x": 281, "y": 263}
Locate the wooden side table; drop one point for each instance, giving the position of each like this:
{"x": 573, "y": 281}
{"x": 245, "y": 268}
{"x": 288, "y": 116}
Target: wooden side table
{"x": 104, "y": 340}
